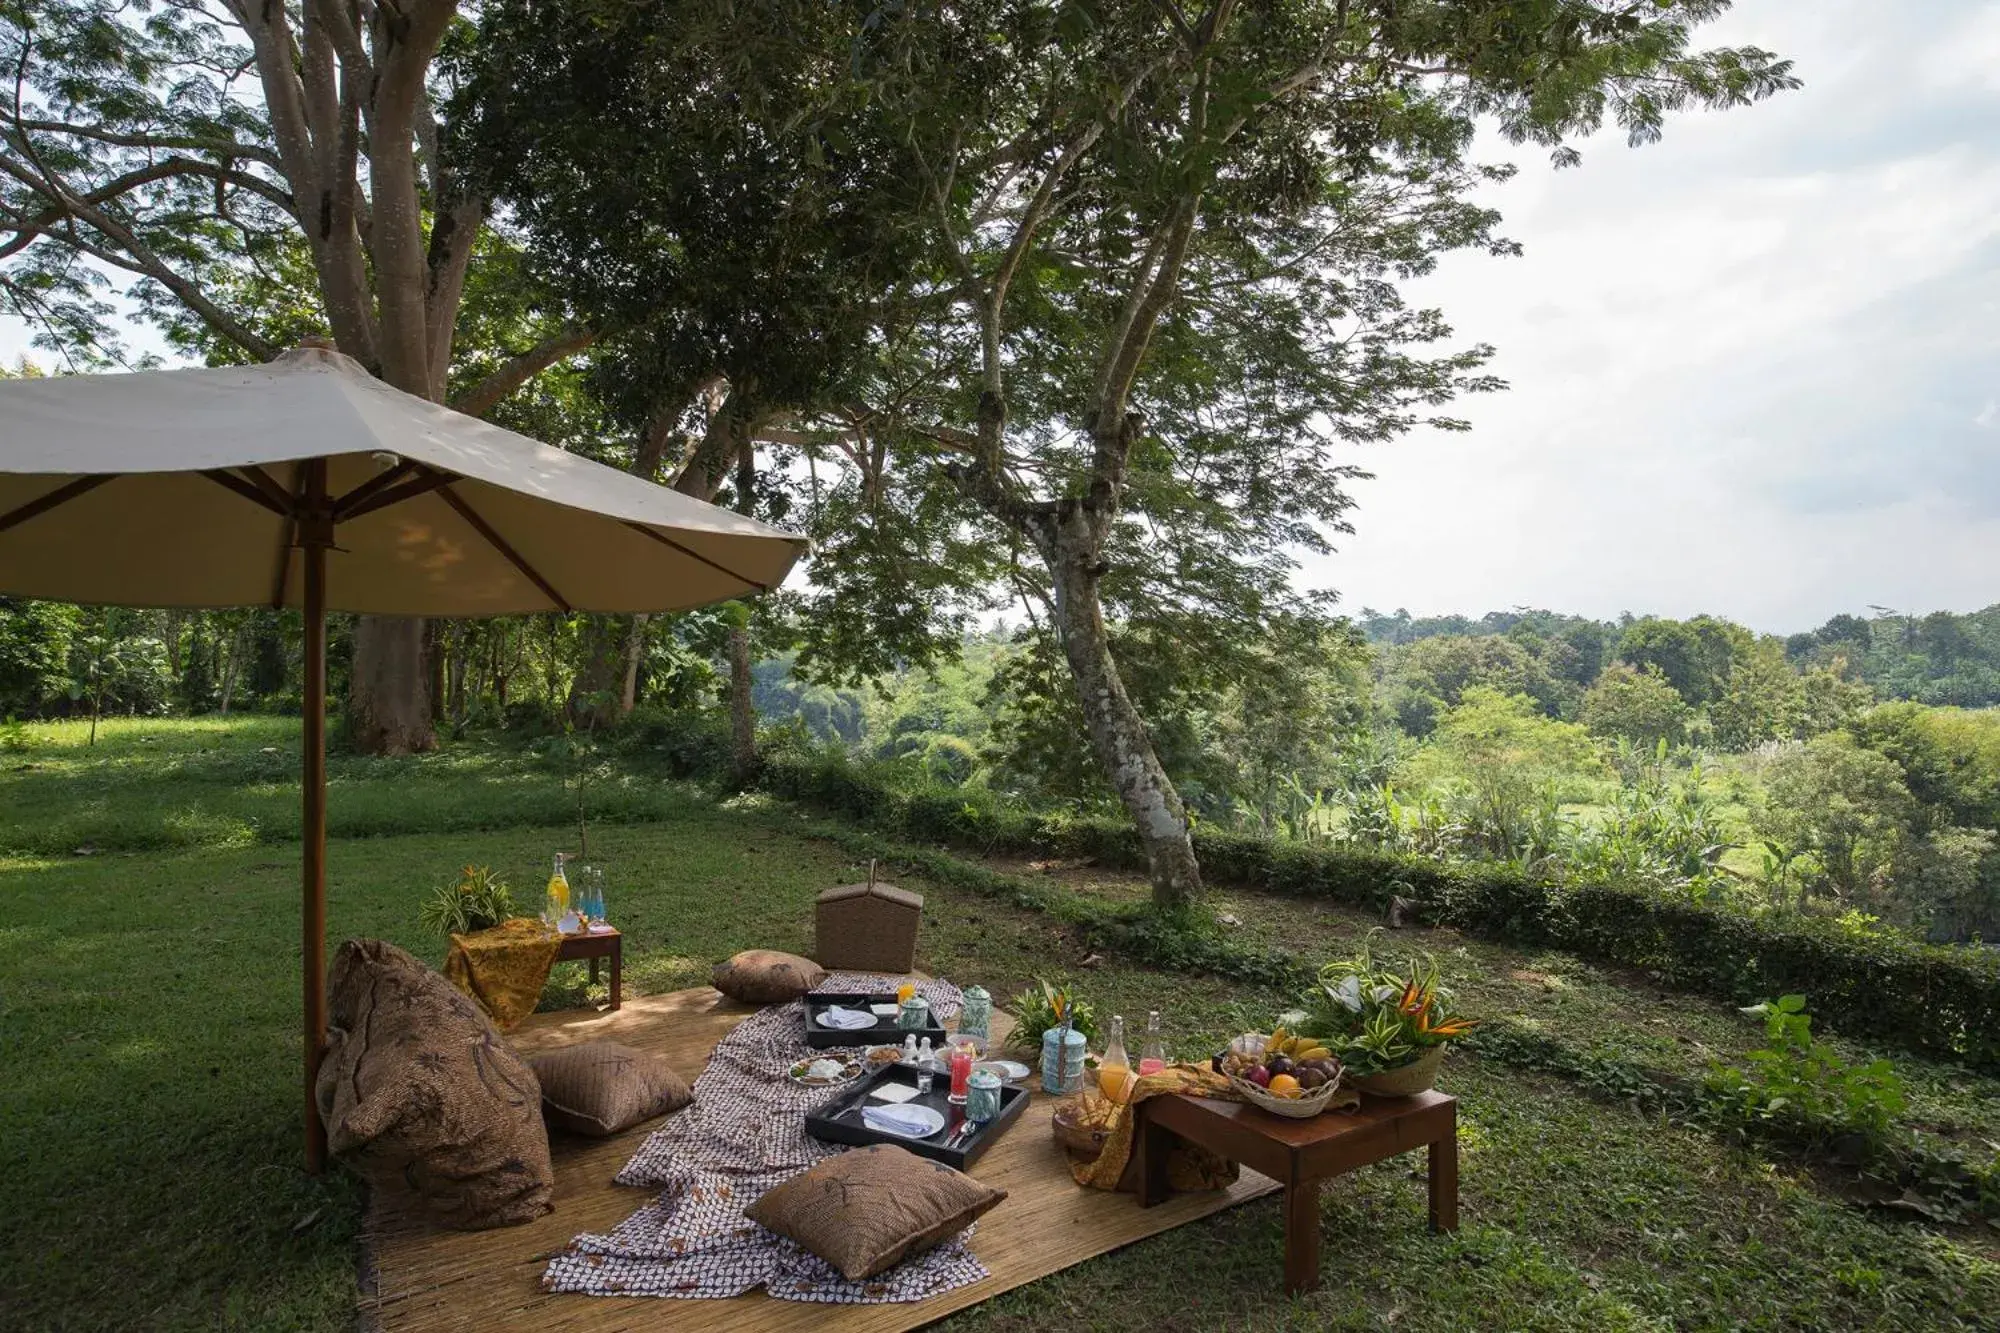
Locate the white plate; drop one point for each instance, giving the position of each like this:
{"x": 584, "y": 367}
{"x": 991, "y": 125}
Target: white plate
{"x": 1007, "y": 1071}
{"x": 931, "y": 1114}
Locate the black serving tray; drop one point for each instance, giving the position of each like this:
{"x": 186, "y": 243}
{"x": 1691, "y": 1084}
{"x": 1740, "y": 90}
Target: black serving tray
{"x": 839, "y": 1121}
{"x": 885, "y": 1031}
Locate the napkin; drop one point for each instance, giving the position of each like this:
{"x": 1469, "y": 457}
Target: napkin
{"x": 913, "y": 1122}
{"x": 846, "y": 1019}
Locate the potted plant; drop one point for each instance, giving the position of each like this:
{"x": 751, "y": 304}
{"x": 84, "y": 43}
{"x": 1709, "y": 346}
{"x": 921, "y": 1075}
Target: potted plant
{"x": 1388, "y": 1025}
{"x": 1043, "y": 1006}
{"x": 479, "y": 900}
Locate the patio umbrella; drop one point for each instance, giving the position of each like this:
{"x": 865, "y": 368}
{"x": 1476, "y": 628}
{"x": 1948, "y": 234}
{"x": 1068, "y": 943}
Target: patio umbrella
{"x": 309, "y": 483}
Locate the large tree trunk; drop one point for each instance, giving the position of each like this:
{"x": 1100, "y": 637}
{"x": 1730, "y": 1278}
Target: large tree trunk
{"x": 742, "y": 713}
{"x": 1118, "y": 734}
{"x": 742, "y": 710}
{"x": 388, "y": 701}
{"x": 597, "y": 695}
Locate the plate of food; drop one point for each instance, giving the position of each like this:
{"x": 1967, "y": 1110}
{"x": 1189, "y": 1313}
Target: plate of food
{"x": 823, "y": 1071}
{"x": 877, "y": 1056}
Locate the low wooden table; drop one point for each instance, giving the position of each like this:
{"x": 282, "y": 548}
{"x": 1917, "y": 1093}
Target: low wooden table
{"x": 1299, "y": 1154}
{"x": 604, "y": 944}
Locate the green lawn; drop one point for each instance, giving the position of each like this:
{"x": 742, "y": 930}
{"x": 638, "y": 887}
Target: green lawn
{"x": 149, "y": 1111}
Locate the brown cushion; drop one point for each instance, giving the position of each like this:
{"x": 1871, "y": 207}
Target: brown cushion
{"x": 600, "y": 1087}
{"x": 870, "y": 1208}
{"x": 766, "y": 976}
{"x": 419, "y": 1091}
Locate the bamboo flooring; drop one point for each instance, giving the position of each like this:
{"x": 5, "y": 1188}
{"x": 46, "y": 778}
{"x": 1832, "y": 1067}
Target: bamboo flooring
{"x": 420, "y": 1279}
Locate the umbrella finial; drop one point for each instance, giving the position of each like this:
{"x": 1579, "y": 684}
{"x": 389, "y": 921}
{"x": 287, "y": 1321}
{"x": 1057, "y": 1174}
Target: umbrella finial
{"x": 313, "y": 340}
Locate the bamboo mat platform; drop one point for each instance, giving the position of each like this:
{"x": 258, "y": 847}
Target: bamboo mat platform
{"x": 416, "y": 1279}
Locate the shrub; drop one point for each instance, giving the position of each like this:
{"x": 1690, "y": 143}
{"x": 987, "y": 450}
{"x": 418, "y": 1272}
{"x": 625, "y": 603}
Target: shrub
{"x": 1794, "y": 1079}
{"x": 1940, "y": 1000}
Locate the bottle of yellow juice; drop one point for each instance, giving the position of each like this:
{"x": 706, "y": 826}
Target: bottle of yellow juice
{"x": 558, "y": 903}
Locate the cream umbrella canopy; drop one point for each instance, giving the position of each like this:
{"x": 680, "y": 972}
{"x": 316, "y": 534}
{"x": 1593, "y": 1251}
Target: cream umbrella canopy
{"x": 308, "y": 483}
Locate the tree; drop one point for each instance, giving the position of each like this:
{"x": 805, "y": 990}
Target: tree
{"x": 1508, "y": 761}
{"x": 189, "y": 151}
{"x": 1638, "y": 706}
{"x": 1695, "y": 656}
{"x": 1845, "y": 804}
{"x": 1150, "y": 285}
{"x": 1760, "y": 698}
{"x": 1151, "y": 224}
{"x": 1424, "y": 678}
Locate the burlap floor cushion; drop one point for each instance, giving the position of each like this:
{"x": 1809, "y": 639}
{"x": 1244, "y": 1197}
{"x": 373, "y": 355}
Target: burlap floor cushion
{"x": 599, "y": 1087}
{"x": 870, "y": 1208}
{"x": 418, "y": 1090}
{"x": 766, "y": 976}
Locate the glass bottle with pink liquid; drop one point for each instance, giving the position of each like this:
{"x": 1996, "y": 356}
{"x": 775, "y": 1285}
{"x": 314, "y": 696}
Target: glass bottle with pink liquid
{"x": 1153, "y": 1053}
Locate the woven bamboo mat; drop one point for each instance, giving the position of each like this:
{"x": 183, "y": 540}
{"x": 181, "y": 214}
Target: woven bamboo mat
{"x": 415, "y": 1278}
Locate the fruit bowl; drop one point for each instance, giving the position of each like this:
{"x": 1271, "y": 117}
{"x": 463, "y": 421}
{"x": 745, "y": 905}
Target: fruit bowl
{"x": 1302, "y": 1107}
{"x": 1285, "y": 1074}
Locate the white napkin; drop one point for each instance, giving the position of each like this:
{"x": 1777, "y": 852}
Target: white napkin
{"x": 846, "y": 1019}
{"x": 911, "y": 1122}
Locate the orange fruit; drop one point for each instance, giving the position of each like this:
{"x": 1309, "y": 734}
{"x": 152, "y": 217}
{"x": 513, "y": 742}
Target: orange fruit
{"x": 1283, "y": 1085}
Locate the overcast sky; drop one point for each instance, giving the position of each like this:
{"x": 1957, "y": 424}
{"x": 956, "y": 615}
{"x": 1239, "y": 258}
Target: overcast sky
{"x": 1755, "y": 367}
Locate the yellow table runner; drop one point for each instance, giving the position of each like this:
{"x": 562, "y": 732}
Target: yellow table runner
{"x": 504, "y": 968}
{"x": 1188, "y": 1167}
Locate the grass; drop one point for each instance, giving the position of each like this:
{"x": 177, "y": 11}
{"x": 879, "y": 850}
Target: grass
{"x": 149, "y": 1114}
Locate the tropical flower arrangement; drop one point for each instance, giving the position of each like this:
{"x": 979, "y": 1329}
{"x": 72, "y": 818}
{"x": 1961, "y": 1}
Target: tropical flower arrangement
{"x": 1377, "y": 1016}
{"x": 1043, "y": 1006}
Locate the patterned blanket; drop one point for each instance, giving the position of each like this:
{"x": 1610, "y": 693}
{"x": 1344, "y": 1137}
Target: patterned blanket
{"x": 744, "y": 1134}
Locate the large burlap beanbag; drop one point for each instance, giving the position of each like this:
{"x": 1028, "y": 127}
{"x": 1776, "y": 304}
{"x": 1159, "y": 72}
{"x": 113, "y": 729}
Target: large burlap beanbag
{"x": 871, "y": 1208}
{"x": 766, "y": 976}
{"x": 418, "y": 1090}
{"x": 599, "y": 1087}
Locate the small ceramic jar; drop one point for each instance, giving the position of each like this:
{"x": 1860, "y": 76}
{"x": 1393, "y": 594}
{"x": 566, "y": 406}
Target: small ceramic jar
{"x": 982, "y": 1096}
{"x": 975, "y": 1016}
{"x": 914, "y": 1012}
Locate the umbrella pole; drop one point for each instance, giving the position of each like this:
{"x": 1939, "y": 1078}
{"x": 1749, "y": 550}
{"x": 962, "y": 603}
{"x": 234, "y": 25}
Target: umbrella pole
{"x": 314, "y": 538}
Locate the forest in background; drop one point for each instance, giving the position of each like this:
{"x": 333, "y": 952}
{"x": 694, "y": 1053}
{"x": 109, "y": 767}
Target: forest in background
{"x": 1852, "y": 771}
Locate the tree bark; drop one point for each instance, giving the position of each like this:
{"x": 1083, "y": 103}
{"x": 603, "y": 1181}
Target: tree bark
{"x": 388, "y": 703}
{"x": 742, "y": 709}
{"x": 597, "y": 694}
{"x": 1069, "y": 545}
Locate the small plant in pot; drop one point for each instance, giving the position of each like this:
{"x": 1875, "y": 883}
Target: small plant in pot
{"x": 1043, "y": 1006}
{"x": 1389, "y": 1025}
{"x": 479, "y": 900}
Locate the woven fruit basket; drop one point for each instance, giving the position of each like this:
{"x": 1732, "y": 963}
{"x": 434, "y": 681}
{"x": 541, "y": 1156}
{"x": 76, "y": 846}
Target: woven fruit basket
{"x": 1302, "y": 1107}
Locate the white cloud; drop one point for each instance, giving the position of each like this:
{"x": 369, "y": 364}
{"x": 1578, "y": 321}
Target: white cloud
{"x": 1748, "y": 363}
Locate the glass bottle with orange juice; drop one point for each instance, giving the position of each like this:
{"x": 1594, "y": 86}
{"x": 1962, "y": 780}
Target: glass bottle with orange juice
{"x": 1114, "y": 1068}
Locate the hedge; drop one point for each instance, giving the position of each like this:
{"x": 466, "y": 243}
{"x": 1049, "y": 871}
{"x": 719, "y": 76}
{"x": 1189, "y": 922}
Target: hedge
{"x": 1939, "y": 1000}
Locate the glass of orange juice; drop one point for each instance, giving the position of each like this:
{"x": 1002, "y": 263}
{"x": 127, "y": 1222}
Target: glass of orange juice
{"x": 905, "y": 991}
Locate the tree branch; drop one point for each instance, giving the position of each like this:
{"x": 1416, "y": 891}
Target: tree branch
{"x": 481, "y": 397}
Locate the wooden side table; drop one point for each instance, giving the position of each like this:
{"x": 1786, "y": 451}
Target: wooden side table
{"x": 1299, "y": 1154}
{"x": 603, "y": 944}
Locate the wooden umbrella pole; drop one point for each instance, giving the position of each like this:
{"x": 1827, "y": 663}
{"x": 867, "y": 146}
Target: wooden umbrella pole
{"x": 315, "y": 536}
